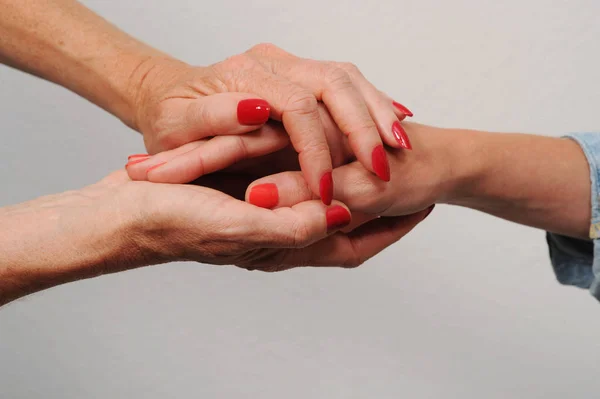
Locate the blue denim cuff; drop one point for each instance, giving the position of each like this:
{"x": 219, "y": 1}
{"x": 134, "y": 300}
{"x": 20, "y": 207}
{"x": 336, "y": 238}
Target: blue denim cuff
{"x": 577, "y": 262}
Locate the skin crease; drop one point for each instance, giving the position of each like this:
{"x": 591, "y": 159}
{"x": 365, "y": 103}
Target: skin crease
{"x": 174, "y": 104}
{"x": 168, "y": 100}
{"x": 48, "y": 241}
{"x": 478, "y": 170}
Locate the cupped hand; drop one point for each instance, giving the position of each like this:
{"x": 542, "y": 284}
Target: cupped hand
{"x": 171, "y": 222}
{"x": 177, "y": 105}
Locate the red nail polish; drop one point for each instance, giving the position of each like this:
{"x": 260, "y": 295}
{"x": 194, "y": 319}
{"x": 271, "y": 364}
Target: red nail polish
{"x": 136, "y": 160}
{"x": 154, "y": 167}
{"x": 337, "y": 217}
{"x": 380, "y": 162}
{"x": 264, "y": 195}
{"x": 401, "y": 136}
{"x": 326, "y": 188}
{"x": 402, "y": 109}
{"x": 138, "y": 156}
{"x": 253, "y": 111}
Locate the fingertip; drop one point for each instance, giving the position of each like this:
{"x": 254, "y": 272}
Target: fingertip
{"x": 253, "y": 112}
{"x": 401, "y": 136}
{"x": 337, "y": 217}
{"x": 381, "y": 165}
{"x": 403, "y": 110}
{"x": 264, "y": 195}
{"x": 326, "y": 188}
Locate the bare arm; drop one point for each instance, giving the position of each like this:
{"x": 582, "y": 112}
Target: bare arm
{"x": 539, "y": 181}
{"x": 533, "y": 180}
{"x": 66, "y": 43}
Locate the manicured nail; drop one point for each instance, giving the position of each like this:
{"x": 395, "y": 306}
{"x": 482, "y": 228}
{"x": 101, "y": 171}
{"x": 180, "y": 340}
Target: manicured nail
{"x": 136, "y": 160}
{"x": 264, "y": 195}
{"x": 429, "y": 210}
{"x": 154, "y": 167}
{"x": 326, "y": 188}
{"x": 401, "y": 136}
{"x": 402, "y": 109}
{"x": 337, "y": 217}
{"x": 380, "y": 162}
{"x": 138, "y": 156}
{"x": 253, "y": 111}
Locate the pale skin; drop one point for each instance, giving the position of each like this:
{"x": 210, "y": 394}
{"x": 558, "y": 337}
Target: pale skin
{"x": 529, "y": 179}
{"x": 533, "y": 180}
{"x": 49, "y": 241}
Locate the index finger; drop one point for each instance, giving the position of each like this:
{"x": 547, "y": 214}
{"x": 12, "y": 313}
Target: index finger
{"x": 298, "y": 109}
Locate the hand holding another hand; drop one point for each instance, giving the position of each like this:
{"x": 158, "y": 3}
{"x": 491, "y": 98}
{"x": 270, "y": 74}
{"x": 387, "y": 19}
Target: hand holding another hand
{"x": 177, "y": 104}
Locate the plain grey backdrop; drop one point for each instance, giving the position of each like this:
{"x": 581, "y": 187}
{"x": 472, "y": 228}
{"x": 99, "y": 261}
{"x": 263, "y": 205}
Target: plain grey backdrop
{"x": 465, "y": 307}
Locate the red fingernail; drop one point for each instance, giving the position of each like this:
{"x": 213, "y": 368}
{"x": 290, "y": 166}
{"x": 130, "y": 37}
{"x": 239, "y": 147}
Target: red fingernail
{"x": 154, "y": 167}
{"x": 326, "y": 188}
{"x": 138, "y": 156}
{"x": 264, "y": 195}
{"x": 134, "y": 161}
{"x": 253, "y": 111}
{"x": 337, "y": 217}
{"x": 402, "y": 109}
{"x": 401, "y": 136}
{"x": 429, "y": 211}
{"x": 381, "y": 165}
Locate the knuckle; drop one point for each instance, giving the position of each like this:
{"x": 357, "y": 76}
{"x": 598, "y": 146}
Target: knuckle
{"x": 205, "y": 115}
{"x": 235, "y": 63}
{"x": 264, "y": 49}
{"x": 316, "y": 149}
{"x": 300, "y": 236}
{"x": 338, "y": 77}
{"x": 241, "y": 149}
{"x": 350, "y": 68}
{"x": 303, "y": 102}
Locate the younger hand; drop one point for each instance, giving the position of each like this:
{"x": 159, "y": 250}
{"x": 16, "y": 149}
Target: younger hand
{"x": 420, "y": 178}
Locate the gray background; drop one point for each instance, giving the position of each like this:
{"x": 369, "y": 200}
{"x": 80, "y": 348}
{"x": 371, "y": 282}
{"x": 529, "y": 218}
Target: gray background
{"x": 465, "y": 307}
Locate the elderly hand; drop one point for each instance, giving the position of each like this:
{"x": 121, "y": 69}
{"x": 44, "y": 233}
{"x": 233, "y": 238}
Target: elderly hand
{"x": 118, "y": 224}
{"x": 176, "y": 104}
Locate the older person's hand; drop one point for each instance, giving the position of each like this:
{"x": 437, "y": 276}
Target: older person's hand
{"x": 118, "y": 224}
{"x": 176, "y": 104}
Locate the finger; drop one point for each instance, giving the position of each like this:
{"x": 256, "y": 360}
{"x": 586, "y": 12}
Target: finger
{"x": 214, "y": 115}
{"x": 357, "y": 188}
{"x": 355, "y": 248}
{"x": 283, "y": 189}
{"x": 300, "y": 225}
{"x": 388, "y": 123}
{"x": 297, "y": 108}
{"x": 334, "y": 86}
{"x": 193, "y": 160}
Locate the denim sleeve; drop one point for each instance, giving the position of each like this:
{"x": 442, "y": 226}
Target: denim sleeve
{"x": 577, "y": 262}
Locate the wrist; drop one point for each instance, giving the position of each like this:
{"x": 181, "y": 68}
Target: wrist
{"x": 148, "y": 75}
{"x": 63, "y": 238}
{"x": 450, "y": 158}
{"x": 466, "y": 164}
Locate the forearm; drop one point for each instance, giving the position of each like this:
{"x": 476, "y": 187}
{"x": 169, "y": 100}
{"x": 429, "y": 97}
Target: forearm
{"x": 538, "y": 181}
{"x": 66, "y": 43}
{"x": 55, "y": 240}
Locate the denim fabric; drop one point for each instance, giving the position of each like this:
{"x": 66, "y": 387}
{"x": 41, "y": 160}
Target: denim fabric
{"x": 577, "y": 262}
